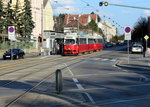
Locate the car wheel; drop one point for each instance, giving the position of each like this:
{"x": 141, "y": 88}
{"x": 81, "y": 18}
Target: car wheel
{"x": 4, "y": 58}
{"x": 22, "y": 56}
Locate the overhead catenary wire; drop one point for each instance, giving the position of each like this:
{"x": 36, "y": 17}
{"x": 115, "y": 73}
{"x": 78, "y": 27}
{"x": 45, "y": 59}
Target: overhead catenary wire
{"x": 145, "y": 8}
{"x": 96, "y": 11}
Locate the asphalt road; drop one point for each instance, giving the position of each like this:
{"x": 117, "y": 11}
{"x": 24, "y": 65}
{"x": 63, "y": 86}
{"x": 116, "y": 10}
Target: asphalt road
{"x": 88, "y": 80}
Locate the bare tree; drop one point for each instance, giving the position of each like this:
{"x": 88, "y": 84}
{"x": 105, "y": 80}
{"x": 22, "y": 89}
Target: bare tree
{"x": 140, "y": 30}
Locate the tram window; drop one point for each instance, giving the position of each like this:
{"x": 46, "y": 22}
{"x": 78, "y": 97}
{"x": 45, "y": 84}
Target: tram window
{"x": 99, "y": 40}
{"x": 69, "y": 42}
{"x": 82, "y": 40}
{"x": 91, "y": 41}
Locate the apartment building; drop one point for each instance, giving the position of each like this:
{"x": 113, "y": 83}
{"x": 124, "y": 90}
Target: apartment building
{"x": 108, "y": 30}
{"x": 42, "y": 14}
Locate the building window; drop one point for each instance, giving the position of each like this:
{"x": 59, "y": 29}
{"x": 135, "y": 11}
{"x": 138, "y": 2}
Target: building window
{"x": 10, "y": 1}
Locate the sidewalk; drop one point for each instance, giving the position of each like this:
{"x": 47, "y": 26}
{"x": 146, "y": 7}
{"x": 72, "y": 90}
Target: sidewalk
{"x": 141, "y": 64}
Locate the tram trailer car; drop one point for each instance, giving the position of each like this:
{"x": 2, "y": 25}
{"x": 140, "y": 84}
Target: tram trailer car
{"x": 75, "y": 44}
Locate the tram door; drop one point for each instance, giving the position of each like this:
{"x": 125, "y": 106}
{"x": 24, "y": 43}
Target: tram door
{"x": 57, "y": 46}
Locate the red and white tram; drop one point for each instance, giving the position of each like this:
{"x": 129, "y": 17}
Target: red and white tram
{"x": 75, "y": 43}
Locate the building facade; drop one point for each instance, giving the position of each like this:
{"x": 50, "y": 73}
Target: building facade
{"x": 108, "y": 30}
{"x": 73, "y": 22}
{"x": 42, "y": 15}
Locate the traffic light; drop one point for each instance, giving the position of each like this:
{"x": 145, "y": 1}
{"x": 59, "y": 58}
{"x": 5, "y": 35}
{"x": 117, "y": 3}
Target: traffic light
{"x": 106, "y": 3}
{"x": 100, "y": 3}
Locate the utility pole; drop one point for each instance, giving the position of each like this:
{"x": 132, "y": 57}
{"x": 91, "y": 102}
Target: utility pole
{"x": 42, "y": 48}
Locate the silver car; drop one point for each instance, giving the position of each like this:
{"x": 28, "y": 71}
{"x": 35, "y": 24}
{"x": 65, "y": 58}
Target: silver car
{"x": 137, "y": 49}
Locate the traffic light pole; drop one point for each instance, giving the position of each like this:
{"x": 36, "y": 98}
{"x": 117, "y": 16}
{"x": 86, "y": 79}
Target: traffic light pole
{"x": 129, "y": 6}
{"x": 128, "y": 52}
{"x": 106, "y": 4}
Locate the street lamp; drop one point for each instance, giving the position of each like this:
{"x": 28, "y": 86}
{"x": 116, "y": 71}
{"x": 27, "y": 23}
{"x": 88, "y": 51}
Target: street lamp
{"x": 42, "y": 50}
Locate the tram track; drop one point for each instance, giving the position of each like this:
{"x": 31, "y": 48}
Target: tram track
{"x": 4, "y": 66}
{"x": 8, "y": 83}
{"x": 41, "y": 81}
{"x": 30, "y": 66}
{"x": 28, "y": 90}
{"x": 22, "y": 77}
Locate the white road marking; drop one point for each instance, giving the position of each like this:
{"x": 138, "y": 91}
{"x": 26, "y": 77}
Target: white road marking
{"x": 69, "y": 69}
{"x": 90, "y": 98}
{"x": 117, "y": 67}
{"x": 75, "y": 80}
{"x": 95, "y": 58}
{"x": 105, "y": 59}
{"x": 114, "y": 60}
{"x": 125, "y": 70}
{"x": 79, "y": 85}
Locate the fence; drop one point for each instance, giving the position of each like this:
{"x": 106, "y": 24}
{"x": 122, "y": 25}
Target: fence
{"x": 28, "y": 47}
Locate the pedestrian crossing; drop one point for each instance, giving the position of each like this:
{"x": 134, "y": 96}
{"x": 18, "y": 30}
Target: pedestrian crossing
{"x": 101, "y": 59}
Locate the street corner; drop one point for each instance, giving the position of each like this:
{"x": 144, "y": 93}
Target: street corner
{"x": 136, "y": 65}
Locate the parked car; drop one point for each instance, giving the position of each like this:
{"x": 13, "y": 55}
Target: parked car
{"x": 14, "y": 54}
{"x": 120, "y": 44}
{"x": 108, "y": 44}
{"x": 137, "y": 49}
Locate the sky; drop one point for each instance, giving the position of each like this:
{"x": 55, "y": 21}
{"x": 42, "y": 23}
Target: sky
{"x": 118, "y": 16}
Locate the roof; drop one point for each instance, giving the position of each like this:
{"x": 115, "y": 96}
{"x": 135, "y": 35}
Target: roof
{"x": 84, "y": 18}
{"x": 73, "y": 23}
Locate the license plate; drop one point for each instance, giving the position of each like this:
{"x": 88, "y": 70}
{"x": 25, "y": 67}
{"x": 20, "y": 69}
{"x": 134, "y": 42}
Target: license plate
{"x": 7, "y": 56}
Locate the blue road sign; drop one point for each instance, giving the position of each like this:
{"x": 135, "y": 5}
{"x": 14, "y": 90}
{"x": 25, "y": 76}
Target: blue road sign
{"x": 127, "y": 30}
{"x": 11, "y": 29}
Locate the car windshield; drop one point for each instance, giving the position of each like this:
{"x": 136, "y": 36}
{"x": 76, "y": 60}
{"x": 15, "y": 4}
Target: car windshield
{"x": 137, "y": 47}
{"x": 13, "y": 50}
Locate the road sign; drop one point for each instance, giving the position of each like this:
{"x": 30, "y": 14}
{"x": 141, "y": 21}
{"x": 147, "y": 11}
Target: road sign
{"x": 127, "y": 32}
{"x": 146, "y": 37}
{"x": 11, "y": 33}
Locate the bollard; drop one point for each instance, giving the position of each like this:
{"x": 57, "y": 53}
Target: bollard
{"x": 59, "y": 85}
{"x": 143, "y": 54}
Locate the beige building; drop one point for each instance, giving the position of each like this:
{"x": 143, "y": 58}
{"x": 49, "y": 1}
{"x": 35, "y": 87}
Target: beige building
{"x": 42, "y": 14}
{"x": 108, "y": 29}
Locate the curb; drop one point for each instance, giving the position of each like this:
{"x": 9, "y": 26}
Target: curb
{"x": 118, "y": 64}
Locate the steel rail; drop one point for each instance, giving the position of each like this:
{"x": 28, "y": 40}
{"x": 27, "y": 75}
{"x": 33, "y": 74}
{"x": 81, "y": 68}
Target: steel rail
{"x": 44, "y": 79}
{"x": 8, "y": 83}
{"x": 30, "y": 66}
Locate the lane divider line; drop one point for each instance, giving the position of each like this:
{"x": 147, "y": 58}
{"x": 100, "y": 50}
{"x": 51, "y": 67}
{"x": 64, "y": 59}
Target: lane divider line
{"x": 90, "y": 98}
{"x": 80, "y": 86}
{"x": 75, "y": 80}
{"x": 69, "y": 69}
